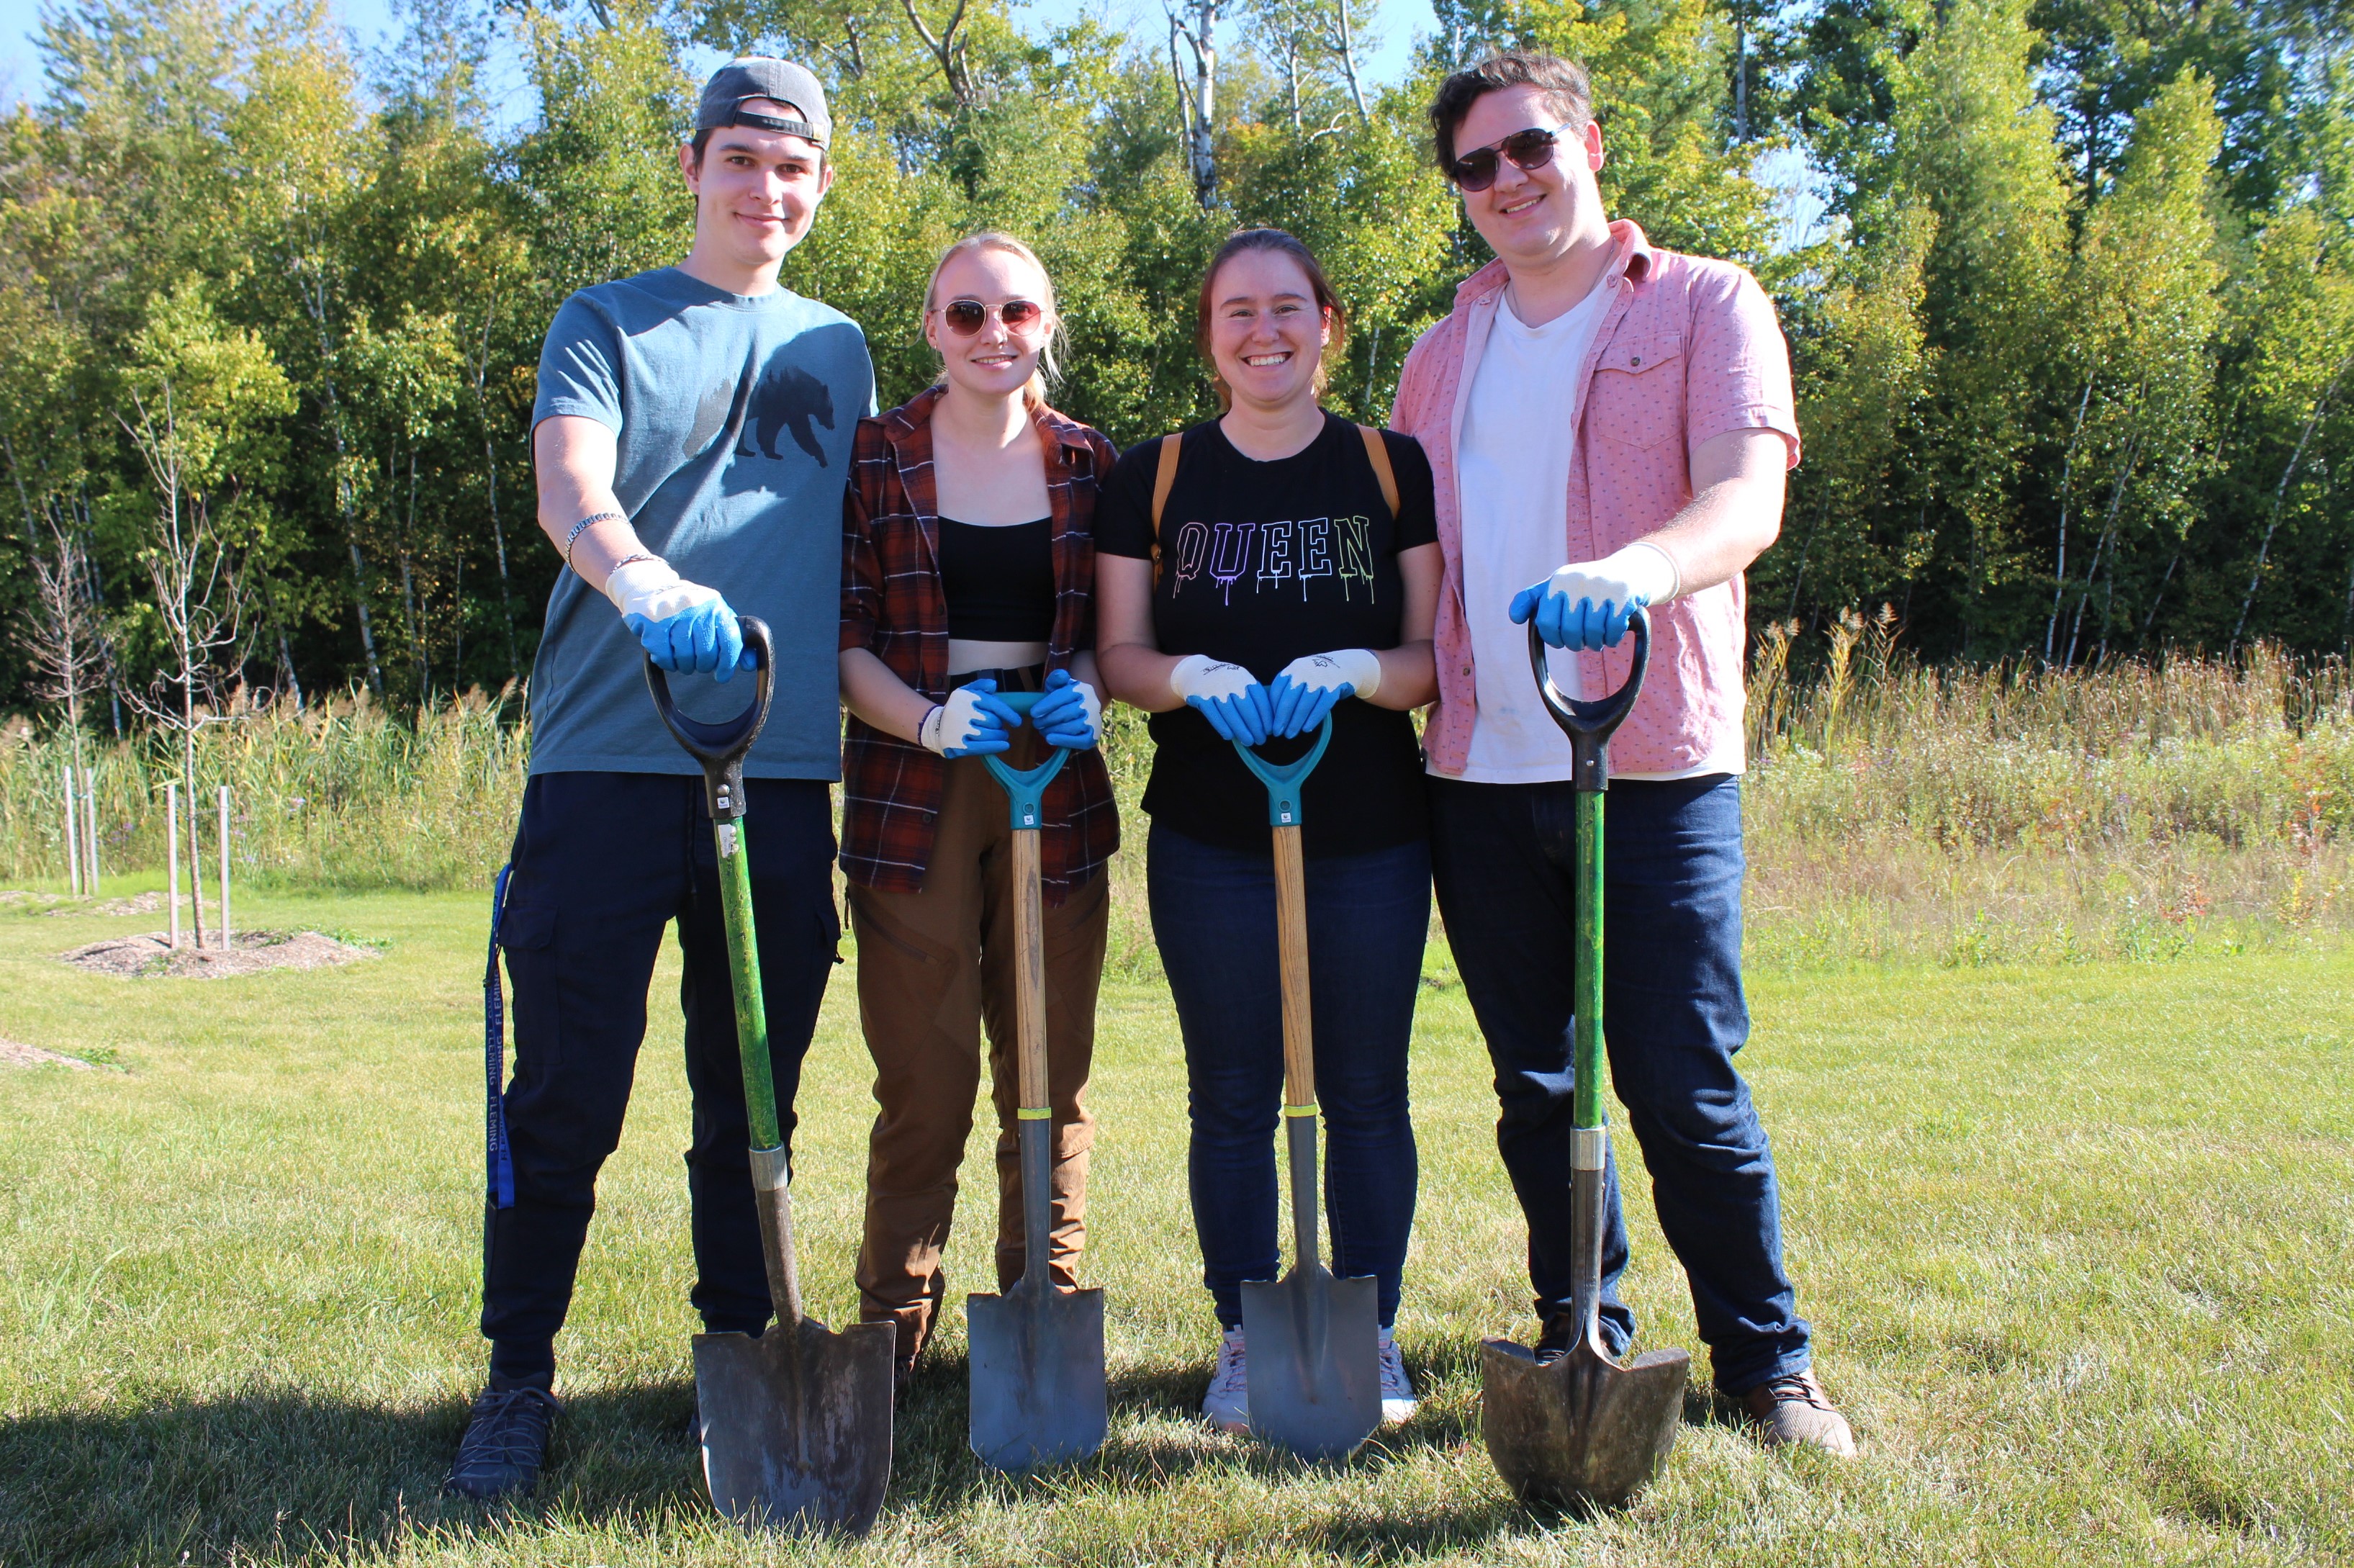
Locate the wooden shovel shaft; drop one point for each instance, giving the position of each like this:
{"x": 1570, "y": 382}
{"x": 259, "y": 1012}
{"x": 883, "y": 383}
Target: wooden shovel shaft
{"x": 1291, "y": 949}
{"x": 1298, "y": 1042}
{"x": 1029, "y": 973}
{"x": 1036, "y": 1115}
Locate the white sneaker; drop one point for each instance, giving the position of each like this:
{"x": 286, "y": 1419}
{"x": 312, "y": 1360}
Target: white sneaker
{"x": 1398, "y": 1401}
{"x": 1227, "y": 1404}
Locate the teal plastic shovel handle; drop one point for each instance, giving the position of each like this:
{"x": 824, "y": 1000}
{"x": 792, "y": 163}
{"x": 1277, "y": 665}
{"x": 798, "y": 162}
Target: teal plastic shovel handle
{"x": 1026, "y": 790}
{"x": 1283, "y": 779}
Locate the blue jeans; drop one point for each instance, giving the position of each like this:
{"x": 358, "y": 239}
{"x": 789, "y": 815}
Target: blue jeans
{"x": 1214, "y": 917}
{"x": 1673, "y": 1015}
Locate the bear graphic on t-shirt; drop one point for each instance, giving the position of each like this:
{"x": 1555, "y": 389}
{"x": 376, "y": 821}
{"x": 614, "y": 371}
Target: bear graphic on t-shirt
{"x": 786, "y": 399}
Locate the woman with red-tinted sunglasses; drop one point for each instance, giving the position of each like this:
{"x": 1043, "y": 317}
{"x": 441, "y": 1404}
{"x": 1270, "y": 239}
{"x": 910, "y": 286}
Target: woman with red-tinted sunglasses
{"x": 969, "y": 571}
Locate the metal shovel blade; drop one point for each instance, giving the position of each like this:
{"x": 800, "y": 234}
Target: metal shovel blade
{"x": 1582, "y": 1431}
{"x": 797, "y": 1425}
{"x": 1315, "y": 1361}
{"x": 1038, "y": 1376}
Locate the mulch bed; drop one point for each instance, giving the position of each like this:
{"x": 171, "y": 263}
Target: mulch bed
{"x": 153, "y": 956}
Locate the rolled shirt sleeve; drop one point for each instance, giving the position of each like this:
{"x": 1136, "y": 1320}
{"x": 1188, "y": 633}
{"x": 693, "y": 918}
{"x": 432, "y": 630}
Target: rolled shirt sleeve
{"x": 1738, "y": 376}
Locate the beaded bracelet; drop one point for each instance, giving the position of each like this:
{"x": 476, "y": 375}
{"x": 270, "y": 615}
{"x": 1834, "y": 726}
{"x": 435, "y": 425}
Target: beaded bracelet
{"x": 593, "y": 517}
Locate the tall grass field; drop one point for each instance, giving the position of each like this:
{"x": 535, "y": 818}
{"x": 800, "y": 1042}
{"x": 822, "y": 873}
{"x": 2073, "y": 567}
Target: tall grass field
{"x": 1957, "y": 816}
{"x": 2054, "y": 1037}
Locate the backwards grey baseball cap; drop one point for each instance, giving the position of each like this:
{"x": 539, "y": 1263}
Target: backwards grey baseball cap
{"x": 763, "y": 76}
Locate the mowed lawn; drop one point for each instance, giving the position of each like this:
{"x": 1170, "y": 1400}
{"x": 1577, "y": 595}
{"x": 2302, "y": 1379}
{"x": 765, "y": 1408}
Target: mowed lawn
{"x": 2078, "y": 1243}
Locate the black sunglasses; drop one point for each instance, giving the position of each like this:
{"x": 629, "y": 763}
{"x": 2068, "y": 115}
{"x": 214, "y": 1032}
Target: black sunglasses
{"x": 1530, "y": 149}
{"x": 965, "y": 317}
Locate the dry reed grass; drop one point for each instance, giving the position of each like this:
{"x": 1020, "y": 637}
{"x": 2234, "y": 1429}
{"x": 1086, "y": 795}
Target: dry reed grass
{"x": 341, "y": 795}
{"x": 1895, "y": 813}
{"x": 2019, "y": 813}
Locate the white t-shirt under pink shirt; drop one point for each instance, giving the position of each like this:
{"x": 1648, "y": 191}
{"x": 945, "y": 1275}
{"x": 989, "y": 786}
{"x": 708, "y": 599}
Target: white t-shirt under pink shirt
{"x": 1520, "y": 431}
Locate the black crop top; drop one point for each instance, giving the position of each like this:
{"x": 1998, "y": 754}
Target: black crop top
{"x": 999, "y": 582}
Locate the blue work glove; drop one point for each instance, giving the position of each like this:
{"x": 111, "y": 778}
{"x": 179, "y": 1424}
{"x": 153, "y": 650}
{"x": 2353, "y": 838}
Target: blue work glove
{"x": 1235, "y": 705}
{"x": 1070, "y": 714}
{"x": 974, "y": 722}
{"x": 1312, "y": 685}
{"x": 707, "y": 640}
{"x": 1585, "y": 605}
{"x": 682, "y": 626}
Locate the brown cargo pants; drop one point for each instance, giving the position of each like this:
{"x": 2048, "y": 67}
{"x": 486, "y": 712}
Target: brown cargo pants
{"x": 934, "y": 967}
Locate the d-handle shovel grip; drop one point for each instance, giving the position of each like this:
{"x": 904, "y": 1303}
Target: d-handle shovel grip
{"x": 1589, "y": 725}
{"x": 1026, "y": 788}
{"x": 1283, "y": 779}
{"x": 721, "y": 748}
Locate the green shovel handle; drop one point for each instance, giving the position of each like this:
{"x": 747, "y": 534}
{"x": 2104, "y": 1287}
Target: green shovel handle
{"x": 1589, "y": 726}
{"x": 1283, "y": 779}
{"x": 721, "y": 748}
{"x": 1026, "y": 789}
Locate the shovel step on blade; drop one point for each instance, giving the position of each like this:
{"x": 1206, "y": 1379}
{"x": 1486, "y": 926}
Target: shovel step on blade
{"x": 1582, "y": 1431}
{"x": 1315, "y": 1362}
{"x": 797, "y": 1425}
{"x": 1038, "y": 1392}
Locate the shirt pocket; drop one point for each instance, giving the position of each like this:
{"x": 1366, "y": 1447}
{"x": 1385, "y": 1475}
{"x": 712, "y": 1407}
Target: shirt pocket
{"x": 1636, "y": 397}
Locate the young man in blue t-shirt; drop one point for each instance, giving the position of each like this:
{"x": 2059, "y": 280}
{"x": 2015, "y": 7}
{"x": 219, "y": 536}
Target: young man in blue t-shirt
{"x": 692, "y": 435}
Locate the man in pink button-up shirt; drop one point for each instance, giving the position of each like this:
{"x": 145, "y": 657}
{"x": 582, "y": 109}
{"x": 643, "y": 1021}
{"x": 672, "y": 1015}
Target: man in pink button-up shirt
{"x": 1594, "y": 400}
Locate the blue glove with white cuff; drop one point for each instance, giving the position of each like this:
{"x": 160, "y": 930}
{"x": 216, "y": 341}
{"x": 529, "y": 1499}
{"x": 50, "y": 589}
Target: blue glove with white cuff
{"x": 682, "y": 626}
{"x": 1585, "y": 605}
{"x": 1235, "y": 705}
{"x": 974, "y": 722}
{"x": 1312, "y": 685}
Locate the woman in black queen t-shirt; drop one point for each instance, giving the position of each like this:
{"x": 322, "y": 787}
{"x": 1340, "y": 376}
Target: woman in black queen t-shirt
{"x": 1272, "y": 583}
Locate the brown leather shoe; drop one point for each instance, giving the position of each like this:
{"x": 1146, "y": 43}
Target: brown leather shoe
{"x": 1795, "y": 1409}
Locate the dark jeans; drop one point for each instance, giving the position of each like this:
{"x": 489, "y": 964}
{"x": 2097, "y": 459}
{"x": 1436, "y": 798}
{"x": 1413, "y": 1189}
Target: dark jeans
{"x": 1214, "y": 917}
{"x": 602, "y": 863}
{"x": 1673, "y": 1015}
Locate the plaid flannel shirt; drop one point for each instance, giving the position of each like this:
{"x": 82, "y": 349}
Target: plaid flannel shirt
{"x": 892, "y": 606}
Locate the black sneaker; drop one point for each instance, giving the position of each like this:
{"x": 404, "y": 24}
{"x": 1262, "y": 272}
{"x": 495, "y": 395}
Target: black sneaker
{"x": 1560, "y": 1337}
{"x": 504, "y": 1446}
{"x": 1560, "y": 1334}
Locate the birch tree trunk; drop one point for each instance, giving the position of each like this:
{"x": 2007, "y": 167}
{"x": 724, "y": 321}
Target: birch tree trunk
{"x": 2280, "y": 494}
{"x": 1198, "y": 98}
{"x": 1342, "y": 41}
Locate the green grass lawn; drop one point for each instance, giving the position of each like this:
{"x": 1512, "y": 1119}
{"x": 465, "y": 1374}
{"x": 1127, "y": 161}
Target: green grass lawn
{"x": 2075, "y": 1240}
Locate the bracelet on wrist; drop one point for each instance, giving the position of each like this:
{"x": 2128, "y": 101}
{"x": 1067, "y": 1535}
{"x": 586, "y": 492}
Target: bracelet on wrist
{"x": 586, "y": 522}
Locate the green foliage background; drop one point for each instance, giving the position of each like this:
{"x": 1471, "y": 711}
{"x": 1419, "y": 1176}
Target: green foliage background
{"x": 2073, "y": 348}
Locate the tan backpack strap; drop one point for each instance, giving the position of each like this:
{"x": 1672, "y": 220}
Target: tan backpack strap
{"x": 1378, "y": 451}
{"x": 1164, "y": 478}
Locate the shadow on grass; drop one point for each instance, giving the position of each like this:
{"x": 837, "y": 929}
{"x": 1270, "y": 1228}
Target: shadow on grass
{"x": 1158, "y": 1443}
{"x": 284, "y": 1475}
{"x": 281, "y": 1475}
